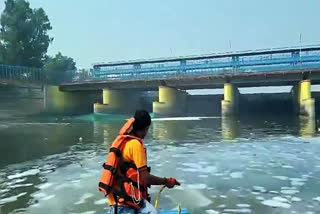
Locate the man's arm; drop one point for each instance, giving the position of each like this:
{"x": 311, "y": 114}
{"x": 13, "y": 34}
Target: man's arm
{"x": 151, "y": 179}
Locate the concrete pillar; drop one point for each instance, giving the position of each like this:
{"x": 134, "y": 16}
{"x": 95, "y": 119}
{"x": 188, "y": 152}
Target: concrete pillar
{"x": 172, "y": 102}
{"x": 230, "y": 103}
{"x": 303, "y": 102}
{"x": 67, "y": 103}
{"x": 118, "y": 102}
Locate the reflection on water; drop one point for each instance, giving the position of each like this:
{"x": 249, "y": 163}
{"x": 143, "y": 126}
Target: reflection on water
{"x": 307, "y": 126}
{"x": 53, "y": 166}
{"x": 230, "y": 127}
{"x": 165, "y": 130}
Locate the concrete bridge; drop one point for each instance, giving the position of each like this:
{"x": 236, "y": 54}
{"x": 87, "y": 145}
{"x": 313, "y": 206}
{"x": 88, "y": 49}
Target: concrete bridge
{"x": 120, "y": 87}
{"x": 122, "y": 84}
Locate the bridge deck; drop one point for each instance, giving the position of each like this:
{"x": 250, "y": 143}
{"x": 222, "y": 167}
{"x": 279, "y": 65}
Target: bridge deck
{"x": 253, "y": 79}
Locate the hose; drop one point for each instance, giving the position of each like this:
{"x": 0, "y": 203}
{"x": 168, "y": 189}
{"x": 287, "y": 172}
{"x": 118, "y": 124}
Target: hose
{"x": 158, "y": 197}
{"x": 156, "y": 202}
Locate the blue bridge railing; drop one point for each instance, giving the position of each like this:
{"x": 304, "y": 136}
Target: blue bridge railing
{"x": 293, "y": 59}
{"x": 279, "y": 60}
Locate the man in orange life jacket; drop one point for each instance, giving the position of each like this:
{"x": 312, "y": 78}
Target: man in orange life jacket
{"x": 126, "y": 177}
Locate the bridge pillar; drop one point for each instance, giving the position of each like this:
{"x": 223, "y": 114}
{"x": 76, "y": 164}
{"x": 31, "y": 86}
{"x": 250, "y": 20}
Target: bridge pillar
{"x": 67, "y": 103}
{"x": 304, "y": 104}
{"x": 118, "y": 102}
{"x": 230, "y": 103}
{"x": 172, "y": 102}
{"x": 229, "y": 128}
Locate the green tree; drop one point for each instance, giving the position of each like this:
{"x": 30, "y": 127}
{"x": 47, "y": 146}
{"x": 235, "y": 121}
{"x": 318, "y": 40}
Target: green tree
{"x": 60, "y": 68}
{"x": 24, "y": 38}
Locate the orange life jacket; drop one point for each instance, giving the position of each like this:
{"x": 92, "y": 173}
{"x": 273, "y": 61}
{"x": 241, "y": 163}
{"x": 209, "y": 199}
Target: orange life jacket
{"x": 120, "y": 178}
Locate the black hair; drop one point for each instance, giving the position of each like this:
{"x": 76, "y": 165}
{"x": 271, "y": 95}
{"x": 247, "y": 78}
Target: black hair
{"x": 142, "y": 120}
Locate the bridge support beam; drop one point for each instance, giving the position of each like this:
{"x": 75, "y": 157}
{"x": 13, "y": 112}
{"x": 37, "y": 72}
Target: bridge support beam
{"x": 304, "y": 104}
{"x": 230, "y": 103}
{"x": 172, "y": 102}
{"x": 67, "y": 103}
{"x": 118, "y": 102}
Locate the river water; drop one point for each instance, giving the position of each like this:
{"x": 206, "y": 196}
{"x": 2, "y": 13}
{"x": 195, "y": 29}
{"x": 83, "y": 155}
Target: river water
{"x": 239, "y": 165}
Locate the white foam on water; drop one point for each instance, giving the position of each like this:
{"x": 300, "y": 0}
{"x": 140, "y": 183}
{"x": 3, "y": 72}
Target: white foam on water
{"x": 260, "y": 198}
{"x": 20, "y": 185}
{"x": 204, "y": 163}
{"x": 61, "y": 186}
{"x": 12, "y": 198}
{"x": 212, "y": 212}
{"x": 243, "y": 205}
{"x": 283, "y": 178}
{"x": 222, "y": 206}
{"x": 274, "y": 192}
{"x": 178, "y": 187}
{"x": 299, "y": 179}
{"x": 316, "y": 199}
{"x": 178, "y": 155}
{"x": 182, "y": 118}
{"x": 256, "y": 193}
{"x": 289, "y": 191}
{"x": 194, "y": 196}
{"x": 83, "y": 198}
{"x": 45, "y": 186}
{"x": 223, "y": 196}
{"x": 236, "y": 175}
{"x": 101, "y": 202}
{"x": 4, "y": 190}
{"x": 35, "y": 205}
{"x": 89, "y": 212}
{"x": 39, "y": 195}
{"x": 272, "y": 203}
{"x": 48, "y": 197}
{"x": 86, "y": 175}
{"x": 197, "y": 186}
{"x": 189, "y": 170}
{"x": 203, "y": 176}
{"x": 41, "y": 124}
{"x": 296, "y": 199}
{"x": 259, "y": 188}
{"x": 20, "y": 180}
{"x": 24, "y": 174}
{"x": 280, "y": 199}
{"x": 294, "y": 188}
{"x": 208, "y": 169}
{"x": 287, "y": 166}
{"x": 297, "y": 183}
{"x": 237, "y": 210}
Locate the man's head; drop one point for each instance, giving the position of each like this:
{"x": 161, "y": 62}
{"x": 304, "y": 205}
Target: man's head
{"x": 141, "y": 123}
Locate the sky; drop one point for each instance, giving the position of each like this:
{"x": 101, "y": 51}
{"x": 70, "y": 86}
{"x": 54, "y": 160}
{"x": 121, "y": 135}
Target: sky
{"x": 93, "y": 31}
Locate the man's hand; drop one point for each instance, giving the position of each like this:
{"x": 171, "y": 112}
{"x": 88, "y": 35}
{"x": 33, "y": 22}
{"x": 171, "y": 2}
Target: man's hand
{"x": 171, "y": 182}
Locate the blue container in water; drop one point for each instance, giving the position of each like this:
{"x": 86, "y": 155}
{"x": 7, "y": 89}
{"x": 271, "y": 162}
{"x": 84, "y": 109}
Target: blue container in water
{"x": 183, "y": 211}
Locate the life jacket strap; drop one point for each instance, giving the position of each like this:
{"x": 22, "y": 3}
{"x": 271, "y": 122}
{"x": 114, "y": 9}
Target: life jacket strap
{"x": 116, "y": 151}
{"x": 110, "y": 168}
{"x": 105, "y": 187}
